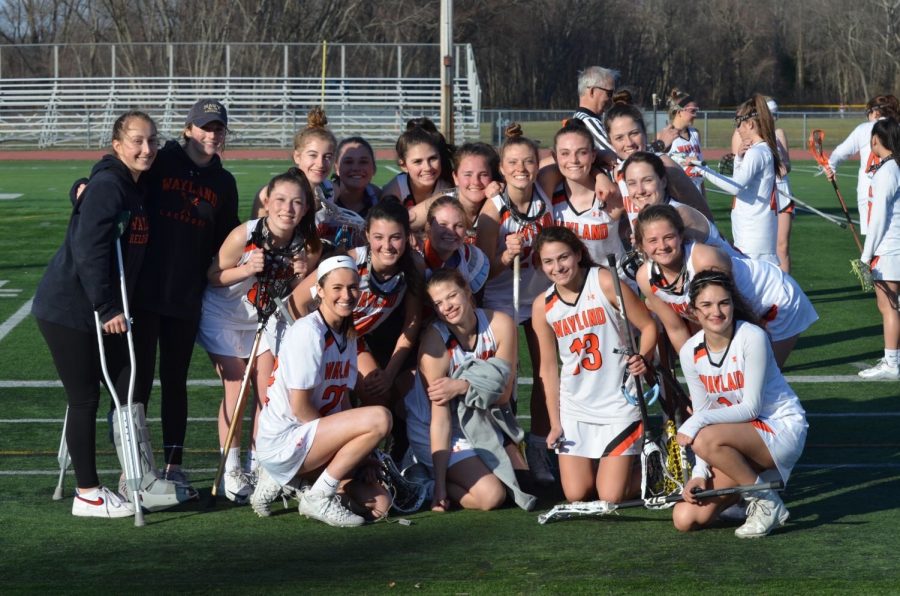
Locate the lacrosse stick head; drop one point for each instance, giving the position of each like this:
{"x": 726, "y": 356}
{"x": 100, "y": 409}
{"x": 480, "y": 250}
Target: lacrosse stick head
{"x": 656, "y": 481}
{"x": 407, "y": 496}
{"x": 863, "y": 273}
{"x": 631, "y": 262}
{"x": 577, "y": 509}
{"x": 816, "y": 140}
{"x": 726, "y": 165}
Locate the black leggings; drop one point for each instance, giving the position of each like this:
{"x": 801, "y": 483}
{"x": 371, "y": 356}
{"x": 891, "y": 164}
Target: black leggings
{"x": 77, "y": 362}
{"x": 176, "y": 346}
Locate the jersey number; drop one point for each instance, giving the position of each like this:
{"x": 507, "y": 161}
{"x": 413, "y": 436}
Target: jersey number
{"x": 332, "y": 397}
{"x": 589, "y": 346}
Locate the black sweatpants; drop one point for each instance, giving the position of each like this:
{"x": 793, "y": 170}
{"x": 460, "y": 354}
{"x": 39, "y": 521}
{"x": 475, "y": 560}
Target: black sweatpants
{"x": 175, "y": 338}
{"x": 77, "y": 360}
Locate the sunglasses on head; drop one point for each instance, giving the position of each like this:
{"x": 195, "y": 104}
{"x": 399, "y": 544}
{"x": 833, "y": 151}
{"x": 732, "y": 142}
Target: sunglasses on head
{"x": 738, "y": 120}
{"x": 873, "y": 109}
{"x": 690, "y": 110}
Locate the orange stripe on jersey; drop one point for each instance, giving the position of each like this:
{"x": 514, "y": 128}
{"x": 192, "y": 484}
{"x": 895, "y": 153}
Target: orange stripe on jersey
{"x": 773, "y": 198}
{"x": 504, "y": 215}
{"x": 550, "y": 301}
{"x": 368, "y": 323}
{"x": 628, "y": 438}
{"x": 451, "y": 344}
{"x": 250, "y": 246}
{"x": 770, "y": 314}
{"x": 329, "y": 341}
{"x": 762, "y": 426}
{"x": 699, "y": 352}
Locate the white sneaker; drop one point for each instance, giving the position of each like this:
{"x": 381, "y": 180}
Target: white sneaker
{"x": 176, "y": 475}
{"x": 539, "y": 463}
{"x": 882, "y": 370}
{"x": 104, "y": 504}
{"x": 236, "y": 487}
{"x": 317, "y": 505}
{"x": 266, "y": 491}
{"x": 765, "y": 512}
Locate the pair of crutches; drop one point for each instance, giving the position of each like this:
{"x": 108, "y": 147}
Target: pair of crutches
{"x": 132, "y": 461}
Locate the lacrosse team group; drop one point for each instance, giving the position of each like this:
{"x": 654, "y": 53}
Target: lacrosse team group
{"x": 373, "y": 333}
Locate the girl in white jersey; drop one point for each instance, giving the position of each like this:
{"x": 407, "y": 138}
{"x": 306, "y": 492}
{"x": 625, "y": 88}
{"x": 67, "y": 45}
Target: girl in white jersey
{"x": 277, "y": 248}
{"x": 595, "y": 431}
{"x": 461, "y": 333}
{"x": 628, "y": 134}
{"x": 746, "y": 420}
{"x": 679, "y": 136}
{"x": 785, "y": 206}
{"x": 754, "y": 213}
{"x": 881, "y": 106}
{"x": 423, "y": 155}
{"x": 446, "y": 247}
{"x": 354, "y": 169}
{"x": 575, "y": 204}
{"x": 665, "y": 280}
{"x": 307, "y": 423}
{"x": 507, "y": 228}
{"x": 645, "y": 178}
{"x": 882, "y": 248}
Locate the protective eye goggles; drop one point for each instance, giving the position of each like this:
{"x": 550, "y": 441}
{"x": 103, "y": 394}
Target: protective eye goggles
{"x": 873, "y": 109}
{"x": 691, "y": 110}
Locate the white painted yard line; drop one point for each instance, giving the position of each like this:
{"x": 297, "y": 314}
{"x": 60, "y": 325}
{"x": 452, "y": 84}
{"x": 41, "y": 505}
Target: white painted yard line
{"x": 393, "y": 169}
{"x": 18, "y": 316}
{"x": 99, "y": 420}
{"x": 8, "y": 196}
{"x": 47, "y": 384}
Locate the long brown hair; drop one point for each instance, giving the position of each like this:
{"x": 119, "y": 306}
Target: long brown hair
{"x": 757, "y": 110}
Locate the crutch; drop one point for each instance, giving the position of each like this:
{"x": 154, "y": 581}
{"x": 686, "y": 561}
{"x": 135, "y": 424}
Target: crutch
{"x": 125, "y": 419}
{"x": 62, "y": 456}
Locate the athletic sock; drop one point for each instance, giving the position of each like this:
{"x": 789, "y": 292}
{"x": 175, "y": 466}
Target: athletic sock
{"x": 892, "y": 357}
{"x": 233, "y": 461}
{"x": 250, "y": 461}
{"x": 327, "y": 484}
{"x": 90, "y": 495}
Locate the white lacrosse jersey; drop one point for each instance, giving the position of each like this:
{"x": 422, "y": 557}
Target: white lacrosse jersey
{"x": 591, "y": 374}
{"x": 377, "y": 300}
{"x": 883, "y": 239}
{"x": 313, "y": 357}
{"x": 691, "y": 145}
{"x": 771, "y": 294}
{"x": 468, "y": 259}
{"x": 754, "y": 219}
{"x": 498, "y": 292}
{"x": 858, "y": 141}
{"x": 417, "y": 403}
{"x": 741, "y": 384}
{"x": 593, "y": 226}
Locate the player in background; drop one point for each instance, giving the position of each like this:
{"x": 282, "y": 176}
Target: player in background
{"x": 595, "y": 431}
{"x": 859, "y": 142}
{"x": 747, "y": 424}
{"x": 596, "y": 86}
{"x": 307, "y": 429}
{"x": 679, "y": 136}
{"x": 882, "y": 249}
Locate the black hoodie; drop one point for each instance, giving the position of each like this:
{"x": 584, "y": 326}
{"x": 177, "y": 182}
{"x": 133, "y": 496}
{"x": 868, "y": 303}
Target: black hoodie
{"x": 83, "y": 275}
{"x": 192, "y": 209}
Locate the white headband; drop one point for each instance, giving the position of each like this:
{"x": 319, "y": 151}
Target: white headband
{"x": 332, "y": 263}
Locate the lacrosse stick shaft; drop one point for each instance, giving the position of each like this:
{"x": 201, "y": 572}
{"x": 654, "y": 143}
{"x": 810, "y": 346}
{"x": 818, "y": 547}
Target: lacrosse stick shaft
{"x": 816, "y": 138}
{"x": 62, "y": 456}
{"x": 706, "y": 494}
{"x": 517, "y": 270}
{"x": 632, "y": 343}
{"x": 238, "y": 412}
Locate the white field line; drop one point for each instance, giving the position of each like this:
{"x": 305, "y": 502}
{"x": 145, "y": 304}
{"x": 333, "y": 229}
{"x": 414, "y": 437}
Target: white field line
{"x": 18, "y": 316}
{"x": 393, "y": 169}
{"x": 522, "y": 381}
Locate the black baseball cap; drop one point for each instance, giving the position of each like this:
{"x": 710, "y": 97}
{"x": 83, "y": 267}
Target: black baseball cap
{"x": 205, "y": 111}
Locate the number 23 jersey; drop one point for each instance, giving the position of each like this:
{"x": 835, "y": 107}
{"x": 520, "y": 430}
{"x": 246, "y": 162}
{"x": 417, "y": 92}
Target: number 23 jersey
{"x": 591, "y": 374}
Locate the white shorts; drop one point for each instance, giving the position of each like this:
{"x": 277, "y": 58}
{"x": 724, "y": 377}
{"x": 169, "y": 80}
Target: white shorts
{"x": 225, "y": 342}
{"x": 886, "y": 268}
{"x": 784, "y": 438}
{"x": 591, "y": 440}
{"x": 794, "y": 315}
{"x": 419, "y": 434}
{"x": 283, "y": 458}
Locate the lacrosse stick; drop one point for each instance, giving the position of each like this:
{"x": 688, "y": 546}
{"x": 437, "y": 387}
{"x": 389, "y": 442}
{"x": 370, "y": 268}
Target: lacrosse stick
{"x": 654, "y": 475}
{"x": 524, "y": 222}
{"x": 407, "y": 496}
{"x": 860, "y": 269}
{"x": 816, "y": 138}
{"x": 598, "y": 508}
{"x": 62, "y": 456}
{"x": 267, "y": 288}
{"x": 350, "y": 226}
{"x": 731, "y": 187}
{"x": 132, "y": 457}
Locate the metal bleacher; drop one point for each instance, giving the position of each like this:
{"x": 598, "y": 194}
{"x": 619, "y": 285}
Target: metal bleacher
{"x": 49, "y": 110}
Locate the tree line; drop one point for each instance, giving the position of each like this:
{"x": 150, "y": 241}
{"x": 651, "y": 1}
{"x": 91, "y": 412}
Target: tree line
{"x": 528, "y": 52}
